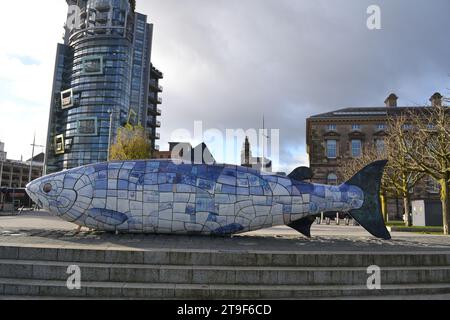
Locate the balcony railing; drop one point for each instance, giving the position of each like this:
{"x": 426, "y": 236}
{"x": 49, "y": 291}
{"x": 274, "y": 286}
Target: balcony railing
{"x": 158, "y": 136}
{"x": 102, "y": 17}
{"x": 158, "y": 111}
{"x": 153, "y": 99}
{"x": 102, "y": 6}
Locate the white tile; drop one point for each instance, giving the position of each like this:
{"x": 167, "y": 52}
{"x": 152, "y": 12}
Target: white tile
{"x": 166, "y": 215}
{"x": 123, "y": 206}
{"x": 166, "y": 197}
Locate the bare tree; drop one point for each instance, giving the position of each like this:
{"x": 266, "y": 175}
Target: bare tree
{"x": 423, "y": 136}
{"x": 402, "y": 177}
{"x": 397, "y": 179}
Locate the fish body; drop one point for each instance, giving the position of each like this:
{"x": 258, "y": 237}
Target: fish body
{"x": 172, "y": 197}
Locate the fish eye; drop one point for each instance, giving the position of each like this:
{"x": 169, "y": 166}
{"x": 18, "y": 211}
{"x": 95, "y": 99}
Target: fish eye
{"x": 47, "y": 187}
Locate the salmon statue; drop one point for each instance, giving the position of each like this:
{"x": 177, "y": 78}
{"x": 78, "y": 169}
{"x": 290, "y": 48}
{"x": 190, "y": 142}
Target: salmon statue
{"x": 174, "y": 197}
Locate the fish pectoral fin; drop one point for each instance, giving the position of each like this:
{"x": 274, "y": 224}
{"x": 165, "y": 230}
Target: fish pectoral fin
{"x": 303, "y": 225}
{"x": 109, "y": 217}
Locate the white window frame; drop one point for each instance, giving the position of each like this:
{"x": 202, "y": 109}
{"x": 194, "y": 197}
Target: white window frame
{"x": 360, "y": 148}
{"x": 328, "y": 149}
{"x": 87, "y": 134}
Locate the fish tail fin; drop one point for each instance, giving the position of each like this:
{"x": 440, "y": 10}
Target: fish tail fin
{"x": 369, "y": 216}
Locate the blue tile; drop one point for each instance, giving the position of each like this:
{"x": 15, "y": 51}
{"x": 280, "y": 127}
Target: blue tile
{"x": 101, "y": 167}
{"x": 140, "y": 166}
{"x": 228, "y": 189}
{"x": 122, "y": 185}
{"x": 190, "y": 209}
{"x": 229, "y": 229}
{"x": 166, "y": 187}
{"x": 212, "y": 217}
{"x": 287, "y": 209}
{"x": 101, "y": 184}
{"x": 256, "y": 191}
{"x": 319, "y": 191}
{"x": 305, "y": 188}
{"x": 242, "y": 191}
{"x": 204, "y": 205}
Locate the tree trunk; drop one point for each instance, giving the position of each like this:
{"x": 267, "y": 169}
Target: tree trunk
{"x": 384, "y": 208}
{"x": 407, "y": 212}
{"x": 445, "y": 199}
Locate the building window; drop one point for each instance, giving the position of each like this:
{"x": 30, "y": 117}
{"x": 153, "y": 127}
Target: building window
{"x": 67, "y": 99}
{"x": 332, "y": 179}
{"x": 356, "y": 127}
{"x": 381, "y": 127}
{"x": 59, "y": 144}
{"x": 331, "y": 127}
{"x": 87, "y": 127}
{"x": 356, "y": 148}
{"x": 92, "y": 65}
{"x": 380, "y": 145}
{"x": 331, "y": 149}
{"x": 407, "y": 127}
{"x": 433, "y": 186}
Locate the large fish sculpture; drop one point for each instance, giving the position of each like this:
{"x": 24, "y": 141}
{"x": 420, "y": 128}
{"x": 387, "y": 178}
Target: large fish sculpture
{"x": 170, "y": 197}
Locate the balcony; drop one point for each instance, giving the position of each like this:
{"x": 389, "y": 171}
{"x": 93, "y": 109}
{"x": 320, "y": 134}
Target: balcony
{"x": 154, "y": 86}
{"x": 153, "y": 99}
{"x": 156, "y": 147}
{"x": 100, "y": 30}
{"x": 158, "y": 111}
{"x": 102, "y": 6}
{"x": 158, "y": 136}
{"x": 102, "y": 17}
{"x": 153, "y": 123}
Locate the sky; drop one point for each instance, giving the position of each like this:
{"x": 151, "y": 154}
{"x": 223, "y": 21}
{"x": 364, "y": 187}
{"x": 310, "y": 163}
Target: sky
{"x": 228, "y": 63}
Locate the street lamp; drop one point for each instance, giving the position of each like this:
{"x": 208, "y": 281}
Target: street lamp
{"x": 32, "y": 157}
{"x": 111, "y": 113}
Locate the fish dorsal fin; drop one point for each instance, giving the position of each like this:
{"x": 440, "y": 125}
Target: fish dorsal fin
{"x": 301, "y": 174}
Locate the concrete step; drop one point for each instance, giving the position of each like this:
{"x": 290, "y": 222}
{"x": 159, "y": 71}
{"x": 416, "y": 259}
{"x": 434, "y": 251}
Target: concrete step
{"x": 45, "y": 288}
{"x": 251, "y": 275}
{"x": 226, "y": 258}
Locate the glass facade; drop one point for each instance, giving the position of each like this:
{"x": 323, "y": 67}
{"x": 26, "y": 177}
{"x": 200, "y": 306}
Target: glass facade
{"x": 102, "y": 68}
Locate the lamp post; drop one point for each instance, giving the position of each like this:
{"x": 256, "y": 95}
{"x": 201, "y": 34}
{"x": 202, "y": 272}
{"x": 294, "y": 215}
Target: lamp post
{"x": 110, "y": 132}
{"x": 32, "y": 157}
{"x": 265, "y": 138}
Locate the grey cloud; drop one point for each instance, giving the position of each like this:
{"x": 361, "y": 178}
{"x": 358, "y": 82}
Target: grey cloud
{"x": 229, "y": 62}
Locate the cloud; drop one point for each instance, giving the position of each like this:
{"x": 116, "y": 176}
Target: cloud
{"x": 228, "y": 62}
{"x": 27, "y": 59}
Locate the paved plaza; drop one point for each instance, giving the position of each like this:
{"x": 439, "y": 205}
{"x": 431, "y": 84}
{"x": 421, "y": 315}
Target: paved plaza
{"x": 42, "y": 229}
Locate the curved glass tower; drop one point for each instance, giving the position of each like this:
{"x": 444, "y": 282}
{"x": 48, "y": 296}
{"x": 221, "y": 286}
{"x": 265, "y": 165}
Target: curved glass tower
{"x": 103, "y": 80}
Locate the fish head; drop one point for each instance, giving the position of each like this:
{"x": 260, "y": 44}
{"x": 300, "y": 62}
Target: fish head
{"x": 54, "y": 192}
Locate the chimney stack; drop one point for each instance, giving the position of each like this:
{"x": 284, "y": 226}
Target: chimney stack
{"x": 391, "y": 101}
{"x": 436, "y": 100}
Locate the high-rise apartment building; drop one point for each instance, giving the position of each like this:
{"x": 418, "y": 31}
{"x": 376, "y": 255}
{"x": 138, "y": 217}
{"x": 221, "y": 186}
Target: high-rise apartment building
{"x": 103, "y": 80}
